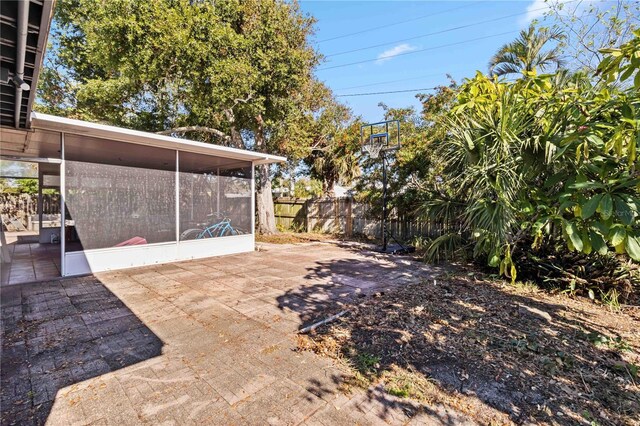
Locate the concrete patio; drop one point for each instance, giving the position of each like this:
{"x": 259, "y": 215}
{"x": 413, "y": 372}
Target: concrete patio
{"x": 209, "y": 341}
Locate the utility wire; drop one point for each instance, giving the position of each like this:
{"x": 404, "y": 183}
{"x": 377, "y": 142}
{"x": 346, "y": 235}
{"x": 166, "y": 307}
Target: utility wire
{"x": 418, "y": 51}
{"x": 380, "y": 83}
{"x": 386, "y": 93}
{"x": 397, "y": 23}
{"x": 446, "y": 30}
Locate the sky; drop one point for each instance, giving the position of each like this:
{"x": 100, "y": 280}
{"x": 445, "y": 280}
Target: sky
{"x": 435, "y": 47}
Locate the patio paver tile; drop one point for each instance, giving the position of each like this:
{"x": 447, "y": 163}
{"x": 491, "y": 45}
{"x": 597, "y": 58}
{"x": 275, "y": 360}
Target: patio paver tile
{"x": 209, "y": 341}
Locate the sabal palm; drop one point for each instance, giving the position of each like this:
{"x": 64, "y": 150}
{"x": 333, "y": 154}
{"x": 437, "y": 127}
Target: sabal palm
{"x": 493, "y": 152}
{"x": 527, "y": 52}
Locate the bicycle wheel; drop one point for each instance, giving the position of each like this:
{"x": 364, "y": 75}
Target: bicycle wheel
{"x": 227, "y": 230}
{"x": 190, "y": 234}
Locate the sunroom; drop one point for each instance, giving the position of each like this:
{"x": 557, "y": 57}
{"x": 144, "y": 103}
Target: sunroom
{"x": 132, "y": 198}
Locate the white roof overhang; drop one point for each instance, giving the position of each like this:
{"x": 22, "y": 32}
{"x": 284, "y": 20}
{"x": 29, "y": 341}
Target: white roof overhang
{"x": 51, "y": 123}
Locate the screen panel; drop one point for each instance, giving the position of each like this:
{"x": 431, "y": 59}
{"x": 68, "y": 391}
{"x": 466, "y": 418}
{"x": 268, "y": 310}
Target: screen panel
{"x": 215, "y": 197}
{"x": 131, "y": 202}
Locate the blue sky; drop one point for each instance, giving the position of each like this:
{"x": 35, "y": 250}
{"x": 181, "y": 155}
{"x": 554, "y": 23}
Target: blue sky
{"x": 417, "y": 69}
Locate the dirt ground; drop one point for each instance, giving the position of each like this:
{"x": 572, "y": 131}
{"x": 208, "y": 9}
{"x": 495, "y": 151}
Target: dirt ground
{"x": 499, "y": 353}
{"x": 293, "y": 238}
{"x": 308, "y": 237}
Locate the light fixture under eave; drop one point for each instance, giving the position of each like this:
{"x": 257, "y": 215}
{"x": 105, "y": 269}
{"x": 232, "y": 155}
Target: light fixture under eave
{"x": 7, "y": 76}
{"x": 20, "y": 83}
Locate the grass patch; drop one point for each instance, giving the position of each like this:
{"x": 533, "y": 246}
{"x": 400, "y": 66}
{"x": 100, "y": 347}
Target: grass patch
{"x": 405, "y": 384}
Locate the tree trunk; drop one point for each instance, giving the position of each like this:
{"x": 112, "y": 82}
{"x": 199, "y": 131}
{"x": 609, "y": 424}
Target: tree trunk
{"x": 264, "y": 200}
{"x": 264, "y": 197}
{"x": 328, "y": 186}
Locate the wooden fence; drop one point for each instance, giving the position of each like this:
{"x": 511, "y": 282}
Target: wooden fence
{"x": 22, "y": 206}
{"x": 347, "y": 217}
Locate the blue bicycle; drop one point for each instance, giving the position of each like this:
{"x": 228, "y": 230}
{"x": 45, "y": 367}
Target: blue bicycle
{"x": 219, "y": 229}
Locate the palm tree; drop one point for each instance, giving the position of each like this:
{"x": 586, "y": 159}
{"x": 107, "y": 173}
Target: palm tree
{"x": 526, "y": 53}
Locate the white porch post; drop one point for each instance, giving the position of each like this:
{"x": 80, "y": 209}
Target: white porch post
{"x": 253, "y": 199}
{"x": 177, "y": 196}
{"x": 63, "y": 194}
{"x": 218, "y": 190}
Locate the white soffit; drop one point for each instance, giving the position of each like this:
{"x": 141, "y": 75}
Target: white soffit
{"x": 79, "y": 127}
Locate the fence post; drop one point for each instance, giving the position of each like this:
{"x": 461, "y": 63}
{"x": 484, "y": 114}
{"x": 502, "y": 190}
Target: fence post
{"x": 349, "y": 218}
{"x": 307, "y": 222}
{"x": 336, "y": 215}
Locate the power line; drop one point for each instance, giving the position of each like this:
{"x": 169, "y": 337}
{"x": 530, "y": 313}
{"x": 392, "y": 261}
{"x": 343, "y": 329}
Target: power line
{"x": 396, "y": 23}
{"x": 418, "y": 51}
{"x": 386, "y": 93}
{"x": 380, "y": 83}
{"x": 446, "y": 30}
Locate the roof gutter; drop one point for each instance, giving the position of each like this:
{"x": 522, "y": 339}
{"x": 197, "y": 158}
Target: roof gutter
{"x": 45, "y": 25}
{"x": 21, "y": 51}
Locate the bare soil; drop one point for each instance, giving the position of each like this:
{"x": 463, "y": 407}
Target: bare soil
{"x": 499, "y": 353}
{"x": 294, "y": 237}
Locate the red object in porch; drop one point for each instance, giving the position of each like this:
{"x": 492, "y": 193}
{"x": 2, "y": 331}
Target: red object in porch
{"x": 135, "y": 241}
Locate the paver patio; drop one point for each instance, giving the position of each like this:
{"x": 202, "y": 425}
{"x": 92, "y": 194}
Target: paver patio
{"x": 208, "y": 341}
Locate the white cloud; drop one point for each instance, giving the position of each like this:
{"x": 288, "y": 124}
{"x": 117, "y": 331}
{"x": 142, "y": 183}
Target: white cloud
{"x": 394, "y": 51}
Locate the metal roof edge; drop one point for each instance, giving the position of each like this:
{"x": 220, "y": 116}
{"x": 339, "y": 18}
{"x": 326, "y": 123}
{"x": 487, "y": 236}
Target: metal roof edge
{"x": 79, "y": 127}
{"x": 41, "y": 48}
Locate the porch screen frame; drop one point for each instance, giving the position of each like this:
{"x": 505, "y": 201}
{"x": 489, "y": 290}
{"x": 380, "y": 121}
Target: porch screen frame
{"x": 171, "y": 251}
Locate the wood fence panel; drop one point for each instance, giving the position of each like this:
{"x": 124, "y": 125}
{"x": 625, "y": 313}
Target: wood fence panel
{"x": 347, "y": 217}
{"x": 22, "y": 206}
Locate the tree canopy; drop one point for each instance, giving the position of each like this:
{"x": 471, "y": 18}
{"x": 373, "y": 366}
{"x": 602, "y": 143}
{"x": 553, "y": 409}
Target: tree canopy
{"x": 229, "y": 72}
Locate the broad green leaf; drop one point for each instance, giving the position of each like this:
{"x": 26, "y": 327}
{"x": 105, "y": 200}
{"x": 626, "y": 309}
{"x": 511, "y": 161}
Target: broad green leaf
{"x": 574, "y": 237}
{"x": 589, "y": 208}
{"x": 627, "y": 112}
{"x": 622, "y": 211}
{"x": 600, "y": 227}
{"x": 586, "y": 242}
{"x": 587, "y": 185}
{"x": 633, "y": 248}
{"x": 596, "y": 140}
{"x": 598, "y": 243}
{"x": 606, "y": 207}
{"x": 617, "y": 235}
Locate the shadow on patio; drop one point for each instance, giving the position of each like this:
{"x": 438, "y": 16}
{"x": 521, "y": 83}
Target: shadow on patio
{"x": 58, "y": 333}
{"x": 336, "y": 284}
{"x": 501, "y": 352}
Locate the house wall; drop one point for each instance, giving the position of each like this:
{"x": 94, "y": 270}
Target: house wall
{"x": 133, "y": 205}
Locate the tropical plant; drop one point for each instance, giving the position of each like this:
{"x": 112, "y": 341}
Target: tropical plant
{"x": 527, "y": 53}
{"x": 622, "y": 63}
{"x": 543, "y": 164}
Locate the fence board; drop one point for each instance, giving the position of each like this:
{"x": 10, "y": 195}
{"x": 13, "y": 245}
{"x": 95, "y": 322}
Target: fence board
{"x": 22, "y": 206}
{"x": 347, "y": 217}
